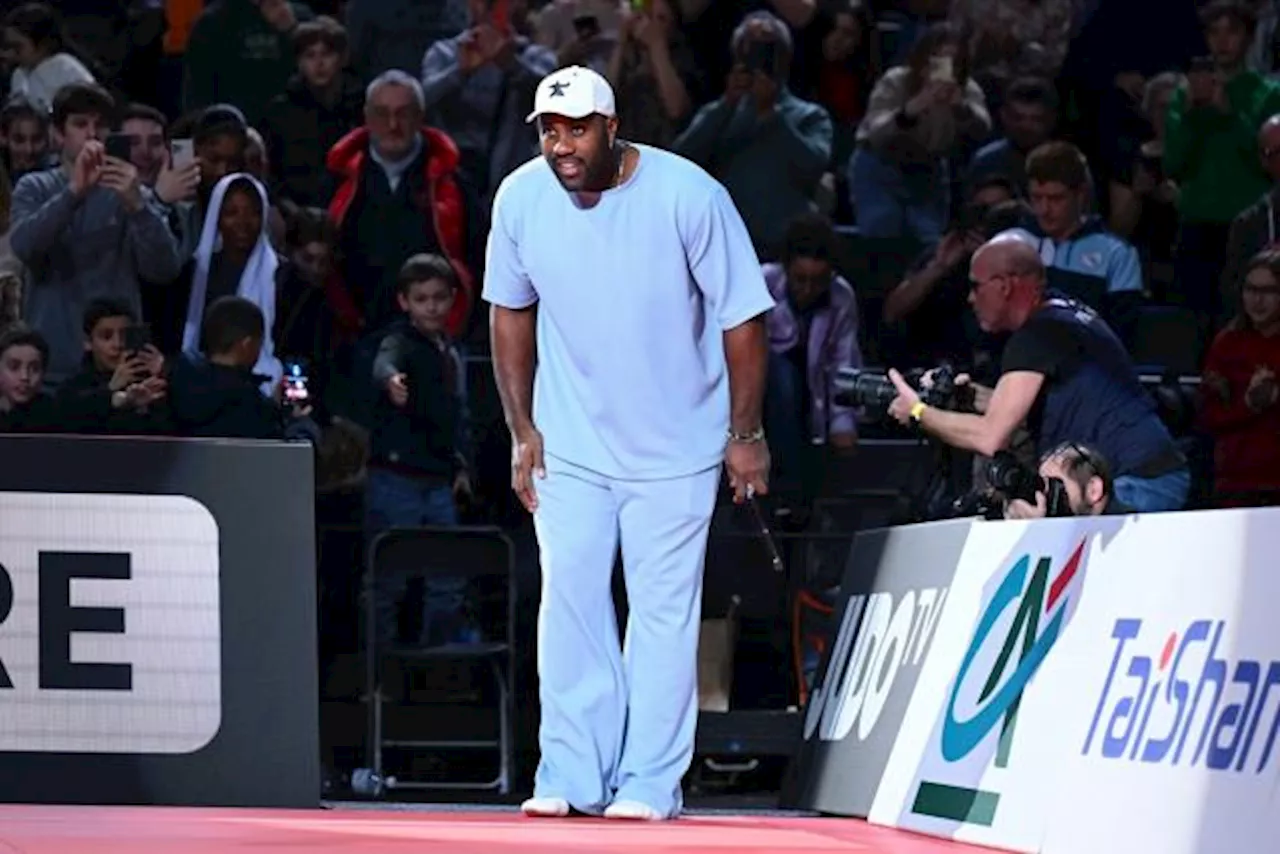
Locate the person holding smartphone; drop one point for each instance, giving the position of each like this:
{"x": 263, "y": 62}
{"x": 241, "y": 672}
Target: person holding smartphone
{"x": 653, "y": 72}
{"x": 1211, "y": 121}
{"x": 919, "y": 116}
{"x": 88, "y": 227}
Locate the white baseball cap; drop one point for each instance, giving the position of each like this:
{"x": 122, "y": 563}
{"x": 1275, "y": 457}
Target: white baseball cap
{"x": 574, "y": 92}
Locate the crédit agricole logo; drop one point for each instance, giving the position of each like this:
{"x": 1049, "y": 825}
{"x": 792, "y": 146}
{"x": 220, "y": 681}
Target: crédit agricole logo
{"x": 1023, "y": 618}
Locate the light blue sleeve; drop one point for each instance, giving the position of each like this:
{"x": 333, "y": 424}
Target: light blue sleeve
{"x": 723, "y": 261}
{"x": 1126, "y": 271}
{"x": 506, "y": 283}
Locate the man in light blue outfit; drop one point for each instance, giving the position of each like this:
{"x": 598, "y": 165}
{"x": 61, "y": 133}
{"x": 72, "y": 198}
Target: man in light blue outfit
{"x": 627, "y": 276}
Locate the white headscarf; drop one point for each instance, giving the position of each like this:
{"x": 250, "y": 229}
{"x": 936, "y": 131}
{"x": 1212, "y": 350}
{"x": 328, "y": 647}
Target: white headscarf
{"x": 257, "y": 282}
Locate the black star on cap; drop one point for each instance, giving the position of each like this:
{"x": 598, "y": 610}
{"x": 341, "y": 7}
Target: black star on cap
{"x": 557, "y": 89}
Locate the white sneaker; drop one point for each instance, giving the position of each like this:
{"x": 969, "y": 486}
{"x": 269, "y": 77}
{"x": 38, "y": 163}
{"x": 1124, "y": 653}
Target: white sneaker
{"x": 632, "y": 811}
{"x": 545, "y": 807}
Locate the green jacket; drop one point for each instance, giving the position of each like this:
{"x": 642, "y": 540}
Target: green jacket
{"x": 235, "y": 57}
{"x": 1213, "y": 156}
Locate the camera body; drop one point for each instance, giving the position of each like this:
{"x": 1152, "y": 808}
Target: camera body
{"x": 874, "y": 391}
{"x": 1012, "y": 480}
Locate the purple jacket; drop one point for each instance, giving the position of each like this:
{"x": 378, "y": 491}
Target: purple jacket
{"x": 833, "y": 344}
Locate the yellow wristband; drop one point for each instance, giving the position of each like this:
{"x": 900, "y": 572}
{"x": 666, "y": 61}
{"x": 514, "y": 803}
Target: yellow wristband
{"x": 917, "y": 410}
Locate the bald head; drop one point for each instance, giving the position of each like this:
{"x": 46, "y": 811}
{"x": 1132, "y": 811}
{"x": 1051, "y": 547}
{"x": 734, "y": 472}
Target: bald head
{"x": 1010, "y": 252}
{"x": 1269, "y": 147}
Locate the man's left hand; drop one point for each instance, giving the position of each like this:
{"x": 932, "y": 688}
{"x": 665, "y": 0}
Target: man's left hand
{"x": 748, "y": 466}
{"x": 1019, "y": 509}
{"x": 900, "y": 408}
{"x": 122, "y": 178}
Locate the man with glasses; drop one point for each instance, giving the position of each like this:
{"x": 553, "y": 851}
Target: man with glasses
{"x": 1086, "y": 476}
{"x": 1063, "y": 373}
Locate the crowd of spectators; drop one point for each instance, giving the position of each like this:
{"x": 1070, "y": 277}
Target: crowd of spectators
{"x": 206, "y": 201}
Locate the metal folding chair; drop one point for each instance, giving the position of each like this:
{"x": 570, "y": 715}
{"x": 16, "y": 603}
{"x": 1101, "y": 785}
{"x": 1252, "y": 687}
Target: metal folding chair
{"x": 478, "y": 554}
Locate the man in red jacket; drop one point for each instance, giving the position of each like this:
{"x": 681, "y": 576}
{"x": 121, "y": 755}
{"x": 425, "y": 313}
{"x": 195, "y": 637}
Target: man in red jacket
{"x": 397, "y": 197}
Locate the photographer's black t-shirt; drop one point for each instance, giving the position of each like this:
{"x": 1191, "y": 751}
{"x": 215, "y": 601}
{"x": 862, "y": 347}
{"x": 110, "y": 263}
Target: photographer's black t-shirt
{"x": 1091, "y": 392}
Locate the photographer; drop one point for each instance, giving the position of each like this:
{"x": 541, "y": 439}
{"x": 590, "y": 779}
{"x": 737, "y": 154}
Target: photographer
{"x": 1064, "y": 373}
{"x": 1086, "y": 479}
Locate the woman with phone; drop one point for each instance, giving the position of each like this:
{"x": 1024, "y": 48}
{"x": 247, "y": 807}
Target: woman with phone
{"x": 653, "y": 73}
{"x": 919, "y": 116}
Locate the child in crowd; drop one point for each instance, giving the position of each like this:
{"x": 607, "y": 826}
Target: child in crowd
{"x": 24, "y": 137}
{"x": 24, "y": 408}
{"x": 216, "y": 392}
{"x": 418, "y": 465}
{"x": 121, "y": 387}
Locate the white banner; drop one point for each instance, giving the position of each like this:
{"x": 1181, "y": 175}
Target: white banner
{"x": 1101, "y": 685}
{"x": 110, "y": 636}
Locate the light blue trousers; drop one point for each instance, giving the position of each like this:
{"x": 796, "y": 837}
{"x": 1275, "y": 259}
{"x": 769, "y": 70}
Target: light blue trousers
{"x": 618, "y": 721}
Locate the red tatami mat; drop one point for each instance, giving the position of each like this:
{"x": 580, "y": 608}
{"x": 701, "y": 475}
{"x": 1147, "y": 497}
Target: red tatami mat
{"x": 151, "y": 830}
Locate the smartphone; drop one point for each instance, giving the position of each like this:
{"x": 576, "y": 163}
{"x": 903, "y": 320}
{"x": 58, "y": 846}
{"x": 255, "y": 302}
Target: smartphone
{"x": 296, "y": 392}
{"x": 500, "y": 15}
{"x": 119, "y": 146}
{"x": 762, "y": 56}
{"x": 182, "y": 152}
{"x": 587, "y": 26}
{"x": 942, "y": 68}
{"x": 137, "y": 338}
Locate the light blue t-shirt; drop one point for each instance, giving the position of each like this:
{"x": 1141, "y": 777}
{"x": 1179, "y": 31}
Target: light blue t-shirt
{"x": 634, "y": 296}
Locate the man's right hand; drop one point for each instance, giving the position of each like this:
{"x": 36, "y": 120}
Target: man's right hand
{"x": 951, "y": 250}
{"x": 398, "y": 390}
{"x": 737, "y": 84}
{"x": 177, "y": 185}
{"x": 133, "y": 369}
{"x": 526, "y": 464}
{"x": 87, "y": 168}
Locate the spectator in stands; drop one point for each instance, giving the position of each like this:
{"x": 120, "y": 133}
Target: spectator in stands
{"x": 921, "y": 114}
{"x": 767, "y": 147}
{"x": 1084, "y": 260}
{"x": 24, "y": 133}
{"x": 391, "y": 35}
{"x": 583, "y": 32}
{"x": 1257, "y": 227}
{"x": 1085, "y": 475}
{"x": 304, "y": 321}
{"x": 1028, "y": 116}
{"x": 34, "y": 38}
{"x": 398, "y": 196}
{"x": 318, "y": 107}
{"x": 86, "y": 229}
{"x": 217, "y": 393}
{"x": 477, "y": 87}
{"x": 24, "y": 407}
{"x": 1064, "y": 373}
{"x": 11, "y": 271}
{"x": 926, "y": 315}
{"x": 118, "y": 390}
{"x": 1008, "y": 39}
{"x": 813, "y": 332}
{"x": 1144, "y": 202}
{"x": 1211, "y": 122}
{"x": 849, "y": 68}
{"x": 419, "y": 452}
{"x": 240, "y": 52}
{"x": 220, "y": 137}
{"x": 1240, "y": 393}
{"x": 654, "y": 74}
{"x": 147, "y": 129}
{"x": 235, "y": 257}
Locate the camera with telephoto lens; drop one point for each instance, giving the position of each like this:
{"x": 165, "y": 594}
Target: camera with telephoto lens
{"x": 874, "y": 391}
{"x": 1012, "y": 480}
